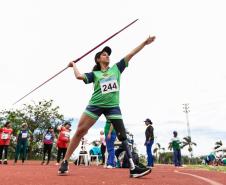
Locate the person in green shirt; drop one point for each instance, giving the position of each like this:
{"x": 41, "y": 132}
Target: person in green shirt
{"x": 105, "y": 100}
{"x": 110, "y": 136}
{"x": 176, "y": 145}
{"x": 22, "y": 142}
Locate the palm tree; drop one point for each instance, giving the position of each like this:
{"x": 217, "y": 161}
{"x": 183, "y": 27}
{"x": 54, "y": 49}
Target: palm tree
{"x": 218, "y": 144}
{"x": 187, "y": 142}
{"x": 157, "y": 151}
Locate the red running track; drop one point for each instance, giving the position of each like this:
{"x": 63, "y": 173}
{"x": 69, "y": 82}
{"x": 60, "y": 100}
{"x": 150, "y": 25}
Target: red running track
{"x": 32, "y": 173}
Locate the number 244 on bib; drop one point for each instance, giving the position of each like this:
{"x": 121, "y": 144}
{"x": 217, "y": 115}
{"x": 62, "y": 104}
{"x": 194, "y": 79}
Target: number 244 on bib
{"x": 109, "y": 86}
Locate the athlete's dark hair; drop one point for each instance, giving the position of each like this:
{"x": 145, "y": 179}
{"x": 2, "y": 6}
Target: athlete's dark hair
{"x": 97, "y": 67}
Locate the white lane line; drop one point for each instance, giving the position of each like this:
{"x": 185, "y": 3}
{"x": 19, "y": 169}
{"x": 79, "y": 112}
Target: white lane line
{"x": 211, "y": 182}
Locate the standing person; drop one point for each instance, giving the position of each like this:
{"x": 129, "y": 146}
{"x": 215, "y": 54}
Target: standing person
{"x": 110, "y": 136}
{"x": 102, "y": 146}
{"x": 48, "y": 139}
{"x": 5, "y": 136}
{"x": 105, "y": 100}
{"x": 22, "y": 142}
{"x": 63, "y": 140}
{"x": 176, "y": 145}
{"x": 149, "y": 135}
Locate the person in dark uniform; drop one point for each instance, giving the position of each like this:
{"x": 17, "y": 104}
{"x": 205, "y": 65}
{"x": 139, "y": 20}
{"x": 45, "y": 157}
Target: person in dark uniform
{"x": 149, "y": 135}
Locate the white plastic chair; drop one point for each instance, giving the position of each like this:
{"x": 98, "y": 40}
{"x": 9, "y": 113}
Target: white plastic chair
{"x": 83, "y": 154}
{"x": 96, "y": 157}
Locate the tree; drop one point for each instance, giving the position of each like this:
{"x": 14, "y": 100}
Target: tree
{"x": 166, "y": 157}
{"x": 218, "y": 144}
{"x": 187, "y": 142}
{"x": 157, "y": 151}
{"x": 142, "y": 159}
{"x": 39, "y": 116}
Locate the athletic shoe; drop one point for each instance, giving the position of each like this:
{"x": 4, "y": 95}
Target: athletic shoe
{"x": 139, "y": 172}
{"x": 42, "y": 162}
{"x": 109, "y": 167}
{"x": 5, "y": 162}
{"x": 57, "y": 164}
{"x": 1, "y": 162}
{"x": 47, "y": 162}
{"x": 63, "y": 170}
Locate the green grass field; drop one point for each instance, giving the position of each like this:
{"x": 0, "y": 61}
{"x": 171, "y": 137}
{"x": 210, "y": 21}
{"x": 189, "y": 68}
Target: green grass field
{"x": 209, "y": 167}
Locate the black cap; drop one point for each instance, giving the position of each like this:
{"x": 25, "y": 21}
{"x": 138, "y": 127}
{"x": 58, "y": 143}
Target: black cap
{"x": 105, "y": 49}
{"x": 148, "y": 121}
{"x": 50, "y": 127}
{"x": 67, "y": 123}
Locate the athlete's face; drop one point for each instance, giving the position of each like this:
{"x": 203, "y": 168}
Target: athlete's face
{"x": 67, "y": 126}
{"x": 104, "y": 58}
{"x": 24, "y": 127}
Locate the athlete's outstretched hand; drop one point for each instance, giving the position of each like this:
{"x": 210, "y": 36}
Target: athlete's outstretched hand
{"x": 149, "y": 40}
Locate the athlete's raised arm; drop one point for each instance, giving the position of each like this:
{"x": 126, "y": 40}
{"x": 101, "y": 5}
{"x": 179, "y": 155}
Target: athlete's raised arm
{"x": 147, "y": 41}
{"x": 78, "y": 75}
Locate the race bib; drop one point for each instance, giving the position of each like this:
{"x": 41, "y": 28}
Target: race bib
{"x": 24, "y": 135}
{"x": 48, "y": 137}
{"x": 109, "y": 85}
{"x": 5, "y": 136}
{"x": 67, "y": 134}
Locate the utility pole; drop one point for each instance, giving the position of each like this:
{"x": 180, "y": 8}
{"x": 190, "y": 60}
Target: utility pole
{"x": 186, "y": 111}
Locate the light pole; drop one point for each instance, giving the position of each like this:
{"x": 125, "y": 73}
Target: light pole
{"x": 186, "y": 111}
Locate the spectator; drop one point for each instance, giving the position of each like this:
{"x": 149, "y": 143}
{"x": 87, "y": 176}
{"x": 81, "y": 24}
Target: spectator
{"x": 5, "y": 136}
{"x": 102, "y": 146}
{"x": 210, "y": 159}
{"x": 149, "y": 135}
{"x": 22, "y": 142}
{"x": 63, "y": 140}
{"x": 110, "y": 136}
{"x": 176, "y": 145}
{"x": 48, "y": 139}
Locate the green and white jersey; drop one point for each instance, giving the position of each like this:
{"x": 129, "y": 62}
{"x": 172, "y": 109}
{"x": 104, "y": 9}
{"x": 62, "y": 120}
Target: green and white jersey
{"x": 106, "y": 85}
{"x": 176, "y": 143}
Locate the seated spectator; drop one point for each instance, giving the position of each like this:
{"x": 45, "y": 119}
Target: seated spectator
{"x": 210, "y": 159}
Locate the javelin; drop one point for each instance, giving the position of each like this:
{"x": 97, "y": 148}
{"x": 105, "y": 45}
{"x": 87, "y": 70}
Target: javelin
{"x": 77, "y": 60}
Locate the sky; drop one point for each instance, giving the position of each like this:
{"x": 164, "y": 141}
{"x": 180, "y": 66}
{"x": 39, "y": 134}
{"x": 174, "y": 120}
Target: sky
{"x": 185, "y": 64}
